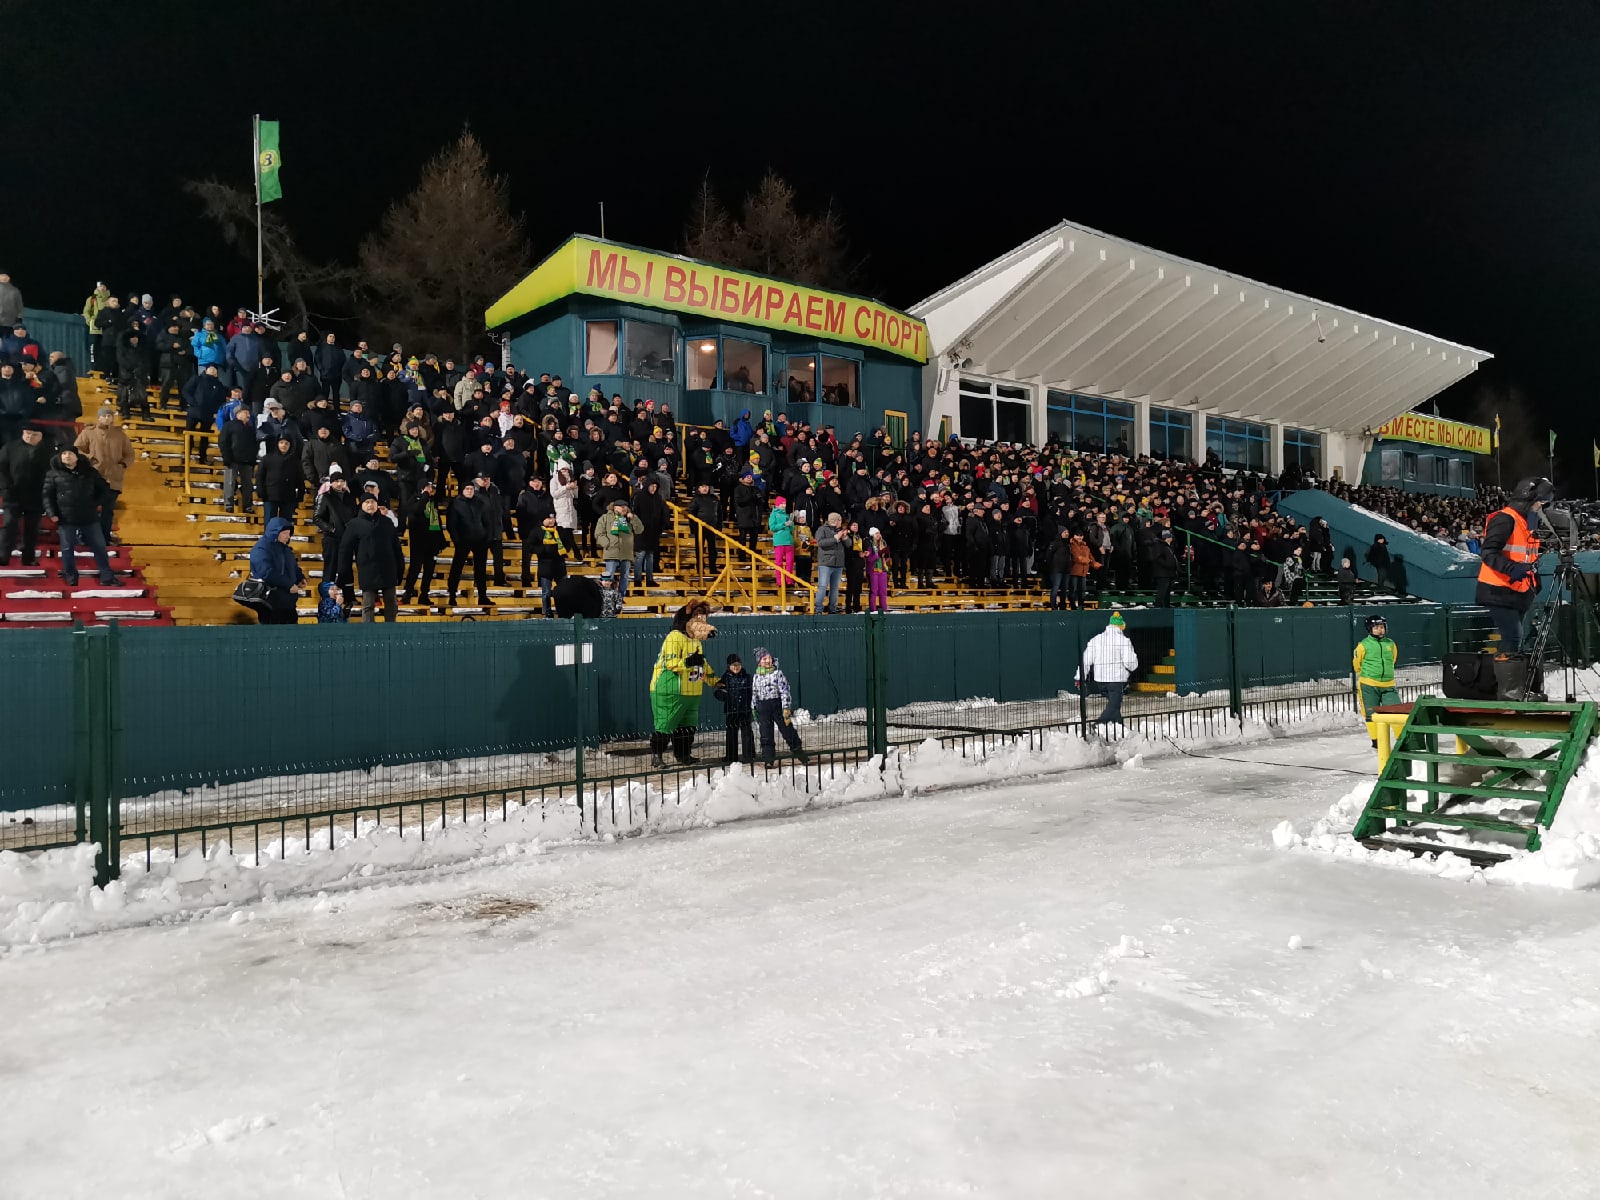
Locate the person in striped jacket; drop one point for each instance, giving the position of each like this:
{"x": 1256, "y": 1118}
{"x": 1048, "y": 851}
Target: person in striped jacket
{"x": 770, "y": 689}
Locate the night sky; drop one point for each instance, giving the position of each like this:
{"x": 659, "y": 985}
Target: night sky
{"x": 1432, "y": 164}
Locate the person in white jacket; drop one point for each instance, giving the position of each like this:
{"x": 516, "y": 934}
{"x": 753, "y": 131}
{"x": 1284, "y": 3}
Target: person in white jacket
{"x": 1108, "y": 660}
{"x": 564, "y": 492}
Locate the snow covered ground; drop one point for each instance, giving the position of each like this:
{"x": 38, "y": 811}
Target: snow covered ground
{"x": 1081, "y": 985}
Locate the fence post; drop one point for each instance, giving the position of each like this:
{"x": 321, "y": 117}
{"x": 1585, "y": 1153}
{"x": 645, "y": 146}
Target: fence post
{"x": 98, "y": 751}
{"x": 1235, "y": 690}
{"x": 580, "y": 698}
{"x": 1081, "y": 674}
{"x": 82, "y": 726}
{"x": 881, "y": 640}
{"x": 1449, "y": 631}
{"x": 1355, "y": 684}
{"x": 114, "y": 735}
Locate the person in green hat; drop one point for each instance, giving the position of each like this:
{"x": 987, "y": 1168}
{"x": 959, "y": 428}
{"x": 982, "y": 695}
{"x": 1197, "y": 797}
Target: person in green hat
{"x": 1373, "y": 661}
{"x": 1109, "y": 659}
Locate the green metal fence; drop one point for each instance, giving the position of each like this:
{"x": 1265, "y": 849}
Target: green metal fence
{"x": 137, "y": 738}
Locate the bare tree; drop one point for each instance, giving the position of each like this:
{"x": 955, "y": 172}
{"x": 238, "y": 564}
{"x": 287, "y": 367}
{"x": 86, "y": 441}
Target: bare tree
{"x": 771, "y": 235}
{"x": 297, "y": 278}
{"x": 443, "y": 254}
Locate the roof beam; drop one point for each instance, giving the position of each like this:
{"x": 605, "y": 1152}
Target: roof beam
{"x": 1066, "y": 273}
{"x": 1349, "y": 393}
{"x": 1179, "y": 378}
{"x": 1251, "y": 352}
{"x": 1193, "y": 300}
{"x": 1138, "y": 291}
{"x": 1337, "y": 344}
{"x": 1231, "y": 314}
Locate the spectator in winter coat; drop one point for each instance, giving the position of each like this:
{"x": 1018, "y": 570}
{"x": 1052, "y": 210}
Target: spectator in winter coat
{"x": 321, "y": 453}
{"x": 1347, "y": 581}
{"x": 111, "y": 453}
{"x": 425, "y": 531}
{"x": 472, "y": 527}
{"x": 23, "y": 466}
{"x": 66, "y": 375}
{"x": 203, "y": 395}
{"x": 133, "y": 373}
{"x": 770, "y": 691}
{"x": 1109, "y": 660}
{"x": 1163, "y": 568}
{"x": 360, "y": 434}
{"x": 279, "y": 480}
{"x": 330, "y": 605}
{"x": 734, "y": 690}
{"x": 274, "y": 563}
{"x": 547, "y": 548}
{"x": 372, "y": 544}
{"x": 614, "y": 533}
{"x": 1057, "y": 567}
{"x": 73, "y": 495}
{"x": 1378, "y": 559}
{"x": 749, "y": 511}
{"x": 1078, "y": 573}
{"x": 334, "y": 511}
{"x": 831, "y": 549}
{"x": 328, "y": 362}
{"x": 703, "y": 506}
{"x": 10, "y": 301}
{"x": 236, "y": 443}
{"x": 174, "y": 359}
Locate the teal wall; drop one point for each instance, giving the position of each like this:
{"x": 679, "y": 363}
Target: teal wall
{"x": 552, "y": 340}
{"x": 60, "y": 331}
{"x": 1372, "y": 468}
{"x": 1429, "y": 568}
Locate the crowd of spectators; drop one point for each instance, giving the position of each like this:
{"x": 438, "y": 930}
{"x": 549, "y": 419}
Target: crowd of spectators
{"x": 472, "y": 455}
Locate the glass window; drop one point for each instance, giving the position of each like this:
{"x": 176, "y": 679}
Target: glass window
{"x": 1468, "y": 473}
{"x": 1408, "y": 462}
{"x": 600, "y": 348}
{"x": 1241, "y": 445}
{"x": 802, "y": 380}
{"x": 648, "y": 351}
{"x": 1303, "y": 447}
{"x": 700, "y": 364}
{"x": 1058, "y": 425}
{"x": 1390, "y": 466}
{"x": 841, "y": 382}
{"x": 1011, "y": 421}
{"x": 1171, "y": 434}
{"x": 977, "y": 417}
{"x": 1425, "y": 467}
{"x": 744, "y": 366}
{"x": 996, "y": 412}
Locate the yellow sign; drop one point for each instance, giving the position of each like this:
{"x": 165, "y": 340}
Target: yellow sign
{"x": 1435, "y": 431}
{"x": 593, "y": 268}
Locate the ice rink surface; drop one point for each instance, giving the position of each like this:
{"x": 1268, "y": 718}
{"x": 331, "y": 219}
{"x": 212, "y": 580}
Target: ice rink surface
{"x": 1074, "y": 986}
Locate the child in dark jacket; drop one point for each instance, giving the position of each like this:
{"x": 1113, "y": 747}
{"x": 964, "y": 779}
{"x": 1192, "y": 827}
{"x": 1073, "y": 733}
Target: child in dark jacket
{"x": 1347, "y": 582}
{"x": 771, "y": 690}
{"x": 330, "y": 608}
{"x": 734, "y": 692}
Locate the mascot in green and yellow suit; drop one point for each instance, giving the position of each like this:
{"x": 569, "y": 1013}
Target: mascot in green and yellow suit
{"x": 676, "y": 685}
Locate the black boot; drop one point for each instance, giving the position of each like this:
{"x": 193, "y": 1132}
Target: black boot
{"x": 682, "y": 740}
{"x": 658, "y": 750}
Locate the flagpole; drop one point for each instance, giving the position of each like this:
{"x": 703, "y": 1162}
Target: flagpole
{"x": 255, "y": 171}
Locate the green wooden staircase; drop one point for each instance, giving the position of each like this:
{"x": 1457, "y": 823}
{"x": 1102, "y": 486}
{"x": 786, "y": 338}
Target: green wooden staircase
{"x": 1501, "y": 787}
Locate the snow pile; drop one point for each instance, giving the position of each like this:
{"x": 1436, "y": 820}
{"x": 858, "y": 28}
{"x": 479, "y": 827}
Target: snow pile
{"x": 52, "y": 895}
{"x": 1568, "y": 856}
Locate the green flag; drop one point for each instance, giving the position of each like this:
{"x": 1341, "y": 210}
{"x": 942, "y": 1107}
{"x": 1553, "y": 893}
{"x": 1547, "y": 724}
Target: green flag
{"x": 268, "y": 160}
{"x": 1552, "y": 441}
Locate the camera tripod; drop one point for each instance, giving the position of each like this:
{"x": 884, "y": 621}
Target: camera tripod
{"x": 1571, "y": 595}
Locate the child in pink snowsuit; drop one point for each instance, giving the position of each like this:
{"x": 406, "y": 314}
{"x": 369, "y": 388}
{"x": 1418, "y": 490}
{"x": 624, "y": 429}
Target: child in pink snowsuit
{"x": 781, "y": 526}
{"x": 877, "y": 573}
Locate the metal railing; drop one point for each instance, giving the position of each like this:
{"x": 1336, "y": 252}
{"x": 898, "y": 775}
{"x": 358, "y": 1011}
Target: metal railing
{"x": 742, "y": 568}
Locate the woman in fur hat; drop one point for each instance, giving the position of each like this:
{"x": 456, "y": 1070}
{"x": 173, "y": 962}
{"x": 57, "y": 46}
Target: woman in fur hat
{"x": 680, "y": 678}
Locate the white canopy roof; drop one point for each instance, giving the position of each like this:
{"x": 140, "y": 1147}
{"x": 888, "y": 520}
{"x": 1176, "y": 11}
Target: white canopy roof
{"x": 1087, "y": 312}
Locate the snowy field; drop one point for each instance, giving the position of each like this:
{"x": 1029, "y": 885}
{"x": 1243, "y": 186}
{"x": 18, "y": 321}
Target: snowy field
{"x": 1074, "y": 986}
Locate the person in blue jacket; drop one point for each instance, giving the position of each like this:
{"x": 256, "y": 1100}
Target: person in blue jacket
{"x": 210, "y": 347}
{"x": 742, "y": 431}
{"x": 274, "y": 562}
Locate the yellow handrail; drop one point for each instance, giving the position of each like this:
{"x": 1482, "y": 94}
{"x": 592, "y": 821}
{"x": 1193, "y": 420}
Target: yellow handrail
{"x": 735, "y": 553}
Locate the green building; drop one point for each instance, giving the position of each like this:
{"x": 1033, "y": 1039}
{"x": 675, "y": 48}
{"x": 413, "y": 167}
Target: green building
{"x": 712, "y": 342}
